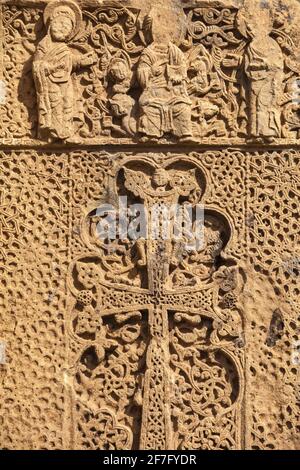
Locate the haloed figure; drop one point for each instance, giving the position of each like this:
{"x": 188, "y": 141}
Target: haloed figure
{"x": 53, "y": 66}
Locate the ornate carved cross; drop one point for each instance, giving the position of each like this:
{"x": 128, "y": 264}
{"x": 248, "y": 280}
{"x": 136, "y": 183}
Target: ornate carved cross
{"x": 161, "y": 193}
{"x": 172, "y": 285}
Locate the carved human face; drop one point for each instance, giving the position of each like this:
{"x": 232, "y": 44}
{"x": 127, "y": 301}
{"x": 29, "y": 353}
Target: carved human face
{"x": 261, "y": 28}
{"x": 61, "y": 28}
{"x": 164, "y": 25}
{"x": 213, "y": 243}
{"x": 160, "y": 178}
{"x": 119, "y": 71}
{"x": 160, "y": 34}
{"x": 201, "y": 71}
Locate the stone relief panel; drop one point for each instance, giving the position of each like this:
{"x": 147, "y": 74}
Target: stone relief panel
{"x": 143, "y": 343}
{"x": 121, "y": 73}
{"x": 273, "y": 223}
{"x": 157, "y": 331}
{"x": 153, "y": 338}
{"x": 34, "y": 195}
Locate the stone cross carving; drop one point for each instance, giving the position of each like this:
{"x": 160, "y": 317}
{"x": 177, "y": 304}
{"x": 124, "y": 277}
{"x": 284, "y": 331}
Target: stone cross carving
{"x": 164, "y": 102}
{"x": 156, "y": 403}
{"x": 169, "y": 288}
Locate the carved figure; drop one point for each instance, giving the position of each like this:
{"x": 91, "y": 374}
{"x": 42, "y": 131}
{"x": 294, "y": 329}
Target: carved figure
{"x": 205, "y": 88}
{"x": 291, "y": 108}
{"x": 121, "y": 103}
{"x": 53, "y": 66}
{"x": 264, "y": 69}
{"x": 165, "y": 106}
{"x": 199, "y": 265}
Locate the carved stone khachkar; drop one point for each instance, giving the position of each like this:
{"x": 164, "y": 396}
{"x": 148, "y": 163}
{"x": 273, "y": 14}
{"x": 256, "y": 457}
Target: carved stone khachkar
{"x": 161, "y": 340}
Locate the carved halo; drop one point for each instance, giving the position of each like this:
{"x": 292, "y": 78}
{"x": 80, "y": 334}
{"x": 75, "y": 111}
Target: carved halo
{"x": 121, "y": 57}
{"x": 51, "y": 8}
{"x": 248, "y": 16}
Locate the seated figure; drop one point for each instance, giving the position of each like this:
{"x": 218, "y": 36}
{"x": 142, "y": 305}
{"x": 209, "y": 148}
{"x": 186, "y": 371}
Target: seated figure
{"x": 165, "y": 106}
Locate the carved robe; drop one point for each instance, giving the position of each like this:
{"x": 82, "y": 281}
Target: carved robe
{"x": 164, "y": 105}
{"x": 52, "y": 68}
{"x": 264, "y": 67}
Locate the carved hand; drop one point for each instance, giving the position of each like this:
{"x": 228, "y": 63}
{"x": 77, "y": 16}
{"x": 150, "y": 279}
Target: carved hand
{"x": 156, "y": 70}
{"x": 89, "y": 59}
{"x": 231, "y": 60}
{"x": 49, "y": 69}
